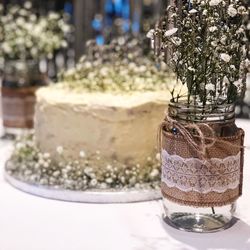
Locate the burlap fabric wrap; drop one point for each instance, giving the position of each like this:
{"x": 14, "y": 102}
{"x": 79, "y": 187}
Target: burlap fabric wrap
{"x": 188, "y": 178}
{"x": 18, "y": 105}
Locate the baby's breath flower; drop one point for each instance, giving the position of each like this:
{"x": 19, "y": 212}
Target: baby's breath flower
{"x": 6, "y": 48}
{"x": 225, "y": 57}
{"x": 19, "y": 145}
{"x": 193, "y": 11}
{"x": 242, "y": 10}
{"x": 45, "y": 164}
{"x": 109, "y": 180}
{"x": 158, "y": 156}
{"x": 54, "y": 15}
{"x": 232, "y": 11}
{"x": 238, "y": 83}
{"x": 28, "y": 5}
{"x": 46, "y": 155}
{"x": 191, "y": 69}
{"x": 82, "y": 154}
{"x": 213, "y": 29}
{"x": 103, "y": 186}
{"x": 59, "y": 150}
{"x": 240, "y": 30}
{"x": 214, "y": 2}
{"x": 232, "y": 67}
{"x": 171, "y": 32}
{"x": 214, "y": 43}
{"x": 154, "y": 173}
{"x": 177, "y": 41}
{"x": 225, "y": 80}
{"x": 210, "y": 87}
{"x": 109, "y": 167}
{"x": 93, "y": 182}
{"x": 88, "y": 170}
{"x": 149, "y": 158}
{"x": 150, "y": 34}
{"x": 204, "y": 12}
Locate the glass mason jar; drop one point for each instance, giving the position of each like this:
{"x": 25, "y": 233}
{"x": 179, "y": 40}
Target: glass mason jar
{"x": 200, "y": 190}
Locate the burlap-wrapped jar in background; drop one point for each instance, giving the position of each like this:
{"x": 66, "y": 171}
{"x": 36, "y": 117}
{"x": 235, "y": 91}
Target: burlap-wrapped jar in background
{"x": 21, "y": 79}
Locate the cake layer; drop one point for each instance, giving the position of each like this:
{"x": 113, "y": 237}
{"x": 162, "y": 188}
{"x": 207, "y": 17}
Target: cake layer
{"x": 121, "y": 127}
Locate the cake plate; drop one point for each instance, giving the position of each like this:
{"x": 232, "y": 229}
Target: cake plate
{"x": 91, "y": 196}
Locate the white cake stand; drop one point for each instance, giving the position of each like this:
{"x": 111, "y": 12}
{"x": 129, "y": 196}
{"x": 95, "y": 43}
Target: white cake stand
{"x": 93, "y": 196}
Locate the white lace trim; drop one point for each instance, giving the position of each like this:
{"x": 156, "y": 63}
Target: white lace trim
{"x": 192, "y": 174}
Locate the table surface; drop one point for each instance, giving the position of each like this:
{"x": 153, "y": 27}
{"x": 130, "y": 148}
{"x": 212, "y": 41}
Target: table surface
{"x": 32, "y": 223}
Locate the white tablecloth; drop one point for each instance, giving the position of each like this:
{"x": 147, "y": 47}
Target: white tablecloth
{"x": 32, "y": 223}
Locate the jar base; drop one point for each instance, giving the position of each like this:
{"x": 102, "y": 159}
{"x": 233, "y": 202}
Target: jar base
{"x": 199, "y": 223}
{"x": 199, "y": 219}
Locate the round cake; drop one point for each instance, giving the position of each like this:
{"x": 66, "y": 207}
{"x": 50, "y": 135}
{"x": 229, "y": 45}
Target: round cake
{"x": 122, "y": 128}
{"x": 88, "y": 141}
{"x": 97, "y": 129}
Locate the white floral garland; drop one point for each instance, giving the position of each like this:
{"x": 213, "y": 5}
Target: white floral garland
{"x": 30, "y": 165}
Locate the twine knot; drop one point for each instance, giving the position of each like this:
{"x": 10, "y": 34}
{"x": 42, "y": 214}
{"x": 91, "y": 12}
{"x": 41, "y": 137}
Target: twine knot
{"x": 194, "y": 133}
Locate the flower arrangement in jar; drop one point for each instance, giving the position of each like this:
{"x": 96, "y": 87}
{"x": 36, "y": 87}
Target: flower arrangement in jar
{"x": 206, "y": 43}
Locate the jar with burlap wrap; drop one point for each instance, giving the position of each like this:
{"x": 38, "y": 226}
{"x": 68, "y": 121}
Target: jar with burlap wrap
{"x": 21, "y": 79}
{"x": 202, "y": 166}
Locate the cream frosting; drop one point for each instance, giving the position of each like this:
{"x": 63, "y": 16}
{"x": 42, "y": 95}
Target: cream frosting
{"x": 123, "y": 127}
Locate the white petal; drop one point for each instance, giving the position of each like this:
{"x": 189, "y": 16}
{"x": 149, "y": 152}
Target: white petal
{"x": 150, "y": 34}
{"x": 193, "y": 11}
{"x": 171, "y": 32}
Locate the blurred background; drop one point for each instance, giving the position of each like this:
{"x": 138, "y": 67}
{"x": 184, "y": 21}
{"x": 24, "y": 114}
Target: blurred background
{"x": 101, "y": 20}
{"x": 96, "y": 19}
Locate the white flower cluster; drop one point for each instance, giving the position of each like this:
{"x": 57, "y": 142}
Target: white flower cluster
{"x": 29, "y": 164}
{"x": 118, "y": 67}
{"x": 214, "y": 2}
{"x": 25, "y": 35}
{"x": 212, "y": 49}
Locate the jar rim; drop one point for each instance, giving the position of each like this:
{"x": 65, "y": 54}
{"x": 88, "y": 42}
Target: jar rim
{"x": 181, "y": 104}
{"x": 207, "y": 113}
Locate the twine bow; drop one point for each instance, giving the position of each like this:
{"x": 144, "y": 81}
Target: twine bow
{"x": 199, "y": 142}
{"x": 201, "y": 145}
